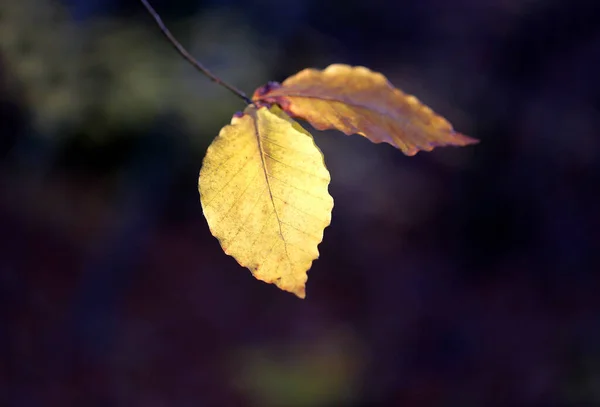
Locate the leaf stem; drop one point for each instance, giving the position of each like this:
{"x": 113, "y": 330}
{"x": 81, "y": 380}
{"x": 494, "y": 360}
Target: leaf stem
{"x": 185, "y": 54}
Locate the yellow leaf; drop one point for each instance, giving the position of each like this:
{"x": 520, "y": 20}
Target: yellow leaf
{"x": 263, "y": 189}
{"x": 358, "y": 100}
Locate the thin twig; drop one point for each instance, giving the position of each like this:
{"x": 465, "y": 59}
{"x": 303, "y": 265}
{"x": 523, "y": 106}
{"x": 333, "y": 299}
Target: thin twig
{"x": 184, "y": 53}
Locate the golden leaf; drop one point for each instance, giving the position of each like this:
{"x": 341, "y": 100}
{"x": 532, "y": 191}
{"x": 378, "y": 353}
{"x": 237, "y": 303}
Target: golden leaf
{"x": 358, "y": 100}
{"x": 263, "y": 189}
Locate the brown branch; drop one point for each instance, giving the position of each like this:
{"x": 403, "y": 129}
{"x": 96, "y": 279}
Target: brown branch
{"x": 184, "y": 53}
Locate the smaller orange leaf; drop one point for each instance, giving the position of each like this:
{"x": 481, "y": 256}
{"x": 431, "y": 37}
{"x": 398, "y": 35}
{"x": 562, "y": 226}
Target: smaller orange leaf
{"x": 356, "y": 100}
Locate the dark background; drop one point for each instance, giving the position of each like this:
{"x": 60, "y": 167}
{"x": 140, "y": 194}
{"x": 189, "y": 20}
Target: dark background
{"x": 462, "y": 277}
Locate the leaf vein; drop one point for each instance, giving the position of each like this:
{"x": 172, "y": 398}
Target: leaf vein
{"x": 285, "y": 147}
{"x": 216, "y": 195}
{"x": 302, "y": 231}
{"x": 300, "y": 210}
{"x": 296, "y": 168}
{"x": 297, "y": 188}
{"x": 242, "y": 227}
{"x": 235, "y": 201}
{"x": 264, "y": 166}
{"x": 225, "y": 161}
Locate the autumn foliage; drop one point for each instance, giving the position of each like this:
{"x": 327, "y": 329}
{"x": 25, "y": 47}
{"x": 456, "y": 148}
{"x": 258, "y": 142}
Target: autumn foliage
{"x": 263, "y": 187}
{"x": 263, "y": 182}
{"x": 356, "y": 100}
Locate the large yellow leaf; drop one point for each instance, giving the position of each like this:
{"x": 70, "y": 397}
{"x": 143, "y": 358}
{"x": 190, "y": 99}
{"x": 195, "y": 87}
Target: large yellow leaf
{"x": 358, "y": 100}
{"x": 263, "y": 188}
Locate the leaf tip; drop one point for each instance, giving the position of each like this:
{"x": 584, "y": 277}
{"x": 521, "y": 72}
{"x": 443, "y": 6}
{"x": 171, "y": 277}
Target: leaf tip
{"x": 300, "y": 292}
{"x": 465, "y": 140}
{"x": 296, "y": 286}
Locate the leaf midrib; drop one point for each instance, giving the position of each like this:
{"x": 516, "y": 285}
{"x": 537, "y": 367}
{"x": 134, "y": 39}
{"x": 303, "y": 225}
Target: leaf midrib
{"x": 399, "y": 142}
{"x": 330, "y": 99}
{"x": 264, "y": 167}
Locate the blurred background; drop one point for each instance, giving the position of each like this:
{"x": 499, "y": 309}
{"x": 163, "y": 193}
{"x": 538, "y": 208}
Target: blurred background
{"x": 462, "y": 277}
